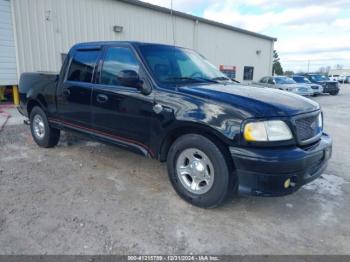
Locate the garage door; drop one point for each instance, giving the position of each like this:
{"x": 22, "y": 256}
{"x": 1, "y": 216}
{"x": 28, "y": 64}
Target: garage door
{"x": 8, "y": 70}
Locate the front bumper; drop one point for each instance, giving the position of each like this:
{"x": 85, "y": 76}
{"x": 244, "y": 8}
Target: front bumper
{"x": 263, "y": 171}
{"x": 304, "y": 92}
{"x": 318, "y": 90}
{"x": 329, "y": 89}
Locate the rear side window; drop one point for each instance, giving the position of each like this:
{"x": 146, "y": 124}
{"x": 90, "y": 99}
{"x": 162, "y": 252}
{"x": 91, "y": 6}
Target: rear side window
{"x": 117, "y": 59}
{"x": 82, "y": 66}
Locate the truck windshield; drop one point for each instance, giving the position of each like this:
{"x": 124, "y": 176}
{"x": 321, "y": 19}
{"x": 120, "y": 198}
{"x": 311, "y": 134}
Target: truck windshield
{"x": 284, "y": 80}
{"x": 301, "y": 79}
{"x": 173, "y": 65}
{"x": 319, "y": 78}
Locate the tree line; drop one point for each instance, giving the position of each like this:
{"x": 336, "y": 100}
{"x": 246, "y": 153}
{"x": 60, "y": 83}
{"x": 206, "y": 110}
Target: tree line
{"x": 277, "y": 68}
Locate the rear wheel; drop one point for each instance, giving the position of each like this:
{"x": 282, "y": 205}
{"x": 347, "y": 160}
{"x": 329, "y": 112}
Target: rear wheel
{"x": 199, "y": 172}
{"x": 43, "y": 134}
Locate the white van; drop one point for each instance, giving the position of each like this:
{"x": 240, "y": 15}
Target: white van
{"x": 339, "y": 78}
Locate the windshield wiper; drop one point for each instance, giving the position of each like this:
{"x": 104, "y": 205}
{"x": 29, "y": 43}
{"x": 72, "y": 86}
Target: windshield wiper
{"x": 221, "y": 78}
{"x": 194, "y": 79}
{"x": 183, "y": 78}
{"x": 208, "y": 80}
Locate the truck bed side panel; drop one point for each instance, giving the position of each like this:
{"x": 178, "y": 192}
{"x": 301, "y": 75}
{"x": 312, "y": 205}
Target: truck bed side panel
{"x": 38, "y": 87}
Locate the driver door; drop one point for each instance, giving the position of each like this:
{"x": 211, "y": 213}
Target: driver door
{"x": 121, "y": 112}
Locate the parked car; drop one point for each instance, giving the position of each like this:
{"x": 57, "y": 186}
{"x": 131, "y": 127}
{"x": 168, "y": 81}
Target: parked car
{"x": 329, "y": 86}
{"x": 317, "y": 89}
{"x": 169, "y": 103}
{"x": 338, "y": 78}
{"x": 286, "y": 84}
{"x": 347, "y": 79}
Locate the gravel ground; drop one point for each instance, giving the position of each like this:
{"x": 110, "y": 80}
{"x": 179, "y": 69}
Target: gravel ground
{"x": 83, "y": 197}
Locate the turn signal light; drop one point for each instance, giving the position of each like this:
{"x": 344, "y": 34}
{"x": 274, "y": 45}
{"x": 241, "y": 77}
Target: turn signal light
{"x": 287, "y": 183}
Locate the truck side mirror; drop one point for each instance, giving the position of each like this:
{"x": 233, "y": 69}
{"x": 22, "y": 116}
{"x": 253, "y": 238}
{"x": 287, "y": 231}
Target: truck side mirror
{"x": 129, "y": 78}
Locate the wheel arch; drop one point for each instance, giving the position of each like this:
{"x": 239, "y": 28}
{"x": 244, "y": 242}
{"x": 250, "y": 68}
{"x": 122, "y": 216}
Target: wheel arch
{"x": 189, "y": 128}
{"x": 38, "y": 101}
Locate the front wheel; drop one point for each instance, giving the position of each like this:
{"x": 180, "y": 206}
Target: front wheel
{"x": 43, "y": 135}
{"x": 334, "y": 93}
{"x": 199, "y": 171}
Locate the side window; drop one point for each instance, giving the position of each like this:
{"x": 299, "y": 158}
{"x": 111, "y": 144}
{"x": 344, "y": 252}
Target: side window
{"x": 117, "y": 59}
{"x": 248, "y": 73}
{"x": 82, "y": 66}
{"x": 271, "y": 81}
{"x": 263, "y": 80}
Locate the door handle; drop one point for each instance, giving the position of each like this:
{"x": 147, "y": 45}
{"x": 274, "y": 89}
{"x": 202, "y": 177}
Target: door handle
{"x": 101, "y": 98}
{"x": 66, "y": 92}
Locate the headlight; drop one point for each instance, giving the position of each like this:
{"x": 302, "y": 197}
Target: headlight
{"x": 264, "y": 131}
{"x": 300, "y": 89}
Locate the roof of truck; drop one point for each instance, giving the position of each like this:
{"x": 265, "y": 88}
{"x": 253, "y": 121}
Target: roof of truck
{"x": 99, "y": 44}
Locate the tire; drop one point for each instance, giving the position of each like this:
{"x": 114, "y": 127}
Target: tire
{"x": 221, "y": 181}
{"x": 334, "y": 93}
{"x": 43, "y": 135}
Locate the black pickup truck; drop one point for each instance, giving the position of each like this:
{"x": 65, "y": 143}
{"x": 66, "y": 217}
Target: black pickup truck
{"x": 171, "y": 104}
{"x": 329, "y": 86}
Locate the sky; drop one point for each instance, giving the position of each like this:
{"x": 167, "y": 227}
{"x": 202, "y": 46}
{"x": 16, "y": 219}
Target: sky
{"x": 309, "y": 32}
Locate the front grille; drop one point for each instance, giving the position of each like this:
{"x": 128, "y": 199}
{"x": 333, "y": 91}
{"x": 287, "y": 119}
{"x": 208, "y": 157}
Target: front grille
{"x": 307, "y": 127}
{"x": 331, "y": 85}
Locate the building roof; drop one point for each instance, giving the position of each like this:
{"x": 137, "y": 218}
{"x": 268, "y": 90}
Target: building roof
{"x": 196, "y": 18}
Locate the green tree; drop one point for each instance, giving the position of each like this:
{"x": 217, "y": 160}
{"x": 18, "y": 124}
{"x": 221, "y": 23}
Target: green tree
{"x": 276, "y": 66}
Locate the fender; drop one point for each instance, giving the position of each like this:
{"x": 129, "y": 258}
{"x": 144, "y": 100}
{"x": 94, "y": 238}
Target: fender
{"x": 180, "y": 128}
{"x": 182, "y": 113}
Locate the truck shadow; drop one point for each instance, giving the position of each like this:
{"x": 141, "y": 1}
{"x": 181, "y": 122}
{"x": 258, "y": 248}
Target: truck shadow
{"x": 320, "y": 199}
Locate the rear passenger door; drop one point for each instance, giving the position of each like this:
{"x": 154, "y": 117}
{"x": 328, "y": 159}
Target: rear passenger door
{"x": 74, "y": 94}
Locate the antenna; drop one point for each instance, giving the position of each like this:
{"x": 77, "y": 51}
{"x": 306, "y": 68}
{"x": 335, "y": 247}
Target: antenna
{"x": 172, "y": 19}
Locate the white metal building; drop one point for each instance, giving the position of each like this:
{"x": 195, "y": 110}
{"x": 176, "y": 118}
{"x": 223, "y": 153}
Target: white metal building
{"x": 340, "y": 72}
{"x": 35, "y": 34}
{"x": 8, "y": 68}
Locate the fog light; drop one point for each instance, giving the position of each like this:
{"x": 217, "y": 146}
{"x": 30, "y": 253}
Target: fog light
{"x": 287, "y": 183}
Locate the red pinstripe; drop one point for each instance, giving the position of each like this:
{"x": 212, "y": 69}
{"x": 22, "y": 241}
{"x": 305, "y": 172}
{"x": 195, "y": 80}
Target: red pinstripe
{"x": 106, "y": 134}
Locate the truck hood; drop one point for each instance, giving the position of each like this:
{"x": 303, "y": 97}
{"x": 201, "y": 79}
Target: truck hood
{"x": 257, "y": 101}
{"x": 326, "y": 82}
